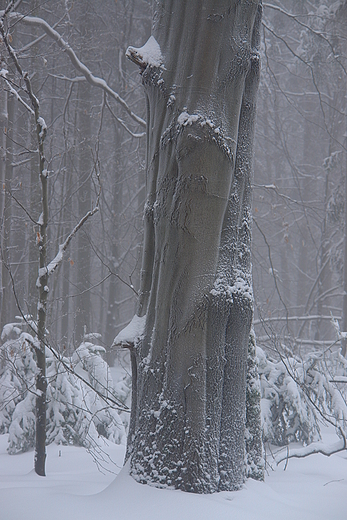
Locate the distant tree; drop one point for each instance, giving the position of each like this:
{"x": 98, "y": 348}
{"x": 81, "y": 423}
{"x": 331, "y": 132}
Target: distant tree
{"x": 84, "y": 135}
{"x": 189, "y": 338}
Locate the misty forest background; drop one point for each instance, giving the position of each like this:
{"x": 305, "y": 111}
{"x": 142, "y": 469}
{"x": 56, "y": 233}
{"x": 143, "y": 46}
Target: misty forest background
{"x": 300, "y": 168}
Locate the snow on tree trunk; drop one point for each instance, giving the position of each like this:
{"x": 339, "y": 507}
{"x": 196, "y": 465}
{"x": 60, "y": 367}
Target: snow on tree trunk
{"x": 42, "y": 285}
{"x": 200, "y": 72}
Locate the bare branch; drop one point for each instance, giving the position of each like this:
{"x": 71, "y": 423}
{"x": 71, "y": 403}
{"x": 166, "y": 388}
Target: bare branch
{"x": 22, "y": 207}
{"x": 15, "y": 93}
{"x": 51, "y": 267}
{"x": 93, "y": 80}
{"x": 123, "y": 125}
{"x": 310, "y": 29}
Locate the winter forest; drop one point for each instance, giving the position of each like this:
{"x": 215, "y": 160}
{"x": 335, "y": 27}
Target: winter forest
{"x": 173, "y": 259}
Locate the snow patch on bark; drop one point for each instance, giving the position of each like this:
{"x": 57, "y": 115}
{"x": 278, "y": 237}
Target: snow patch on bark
{"x": 185, "y": 119}
{"x": 42, "y": 123}
{"x": 212, "y": 131}
{"x": 51, "y": 267}
{"x": 242, "y": 287}
{"x": 131, "y": 332}
{"x": 149, "y": 54}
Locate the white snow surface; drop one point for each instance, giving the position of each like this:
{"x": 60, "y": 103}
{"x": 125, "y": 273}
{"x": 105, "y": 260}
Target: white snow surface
{"x": 43, "y": 126}
{"x": 314, "y": 488}
{"x": 132, "y": 331}
{"x": 149, "y": 54}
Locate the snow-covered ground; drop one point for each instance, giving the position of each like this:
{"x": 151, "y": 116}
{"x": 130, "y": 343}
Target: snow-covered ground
{"x": 314, "y": 488}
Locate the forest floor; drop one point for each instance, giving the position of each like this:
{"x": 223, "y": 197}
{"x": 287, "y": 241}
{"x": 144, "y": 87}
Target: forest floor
{"x": 314, "y": 488}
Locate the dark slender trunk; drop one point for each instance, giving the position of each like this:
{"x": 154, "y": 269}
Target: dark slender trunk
{"x": 40, "y": 440}
{"x": 35, "y": 188}
{"x": 41, "y": 384}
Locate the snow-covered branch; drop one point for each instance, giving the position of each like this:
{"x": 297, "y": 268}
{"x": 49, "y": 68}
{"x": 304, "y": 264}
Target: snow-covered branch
{"x": 24, "y": 75}
{"x": 315, "y": 447}
{"x": 123, "y": 125}
{"x": 134, "y": 330}
{"x": 22, "y": 207}
{"x": 149, "y": 54}
{"x": 93, "y": 80}
{"x": 291, "y": 319}
{"x": 77, "y": 79}
{"x": 13, "y": 91}
{"x": 51, "y": 267}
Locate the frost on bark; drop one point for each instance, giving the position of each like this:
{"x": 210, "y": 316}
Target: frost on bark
{"x": 200, "y": 72}
{"x": 254, "y": 443}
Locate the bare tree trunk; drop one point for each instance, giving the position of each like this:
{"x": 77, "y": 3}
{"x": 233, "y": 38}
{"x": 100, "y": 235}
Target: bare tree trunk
{"x": 41, "y": 383}
{"x": 83, "y": 311}
{"x": 7, "y": 310}
{"x": 188, "y": 417}
{"x": 3, "y": 129}
{"x": 344, "y": 301}
{"x": 344, "y": 304}
{"x": 35, "y": 195}
{"x": 324, "y": 282}
{"x": 115, "y": 290}
{"x": 84, "y": 205}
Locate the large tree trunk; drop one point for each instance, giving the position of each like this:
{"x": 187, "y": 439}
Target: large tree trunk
{"x": 200, "y": 75}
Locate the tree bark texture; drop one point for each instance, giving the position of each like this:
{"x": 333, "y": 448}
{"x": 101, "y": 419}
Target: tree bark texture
{"x": 189, "y": 396}
{"x": 83, "y": 317}
{"x": 85, "y": 168}
{"x": 7, "y": 161}
{"x": 42, "y": 283}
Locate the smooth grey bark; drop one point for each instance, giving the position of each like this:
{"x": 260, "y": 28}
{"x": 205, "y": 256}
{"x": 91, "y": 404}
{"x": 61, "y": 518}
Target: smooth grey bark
{"x": 3, "y": 127}
{"x": 344, "y": 301}
{"x": 85, "y": 168}
{"x": 189, "y": 365}
{"x": 35, "y": 188}
{"x": 8, "y": 306}
{"x": 324, "y": 280}
{"x": 84, "y": 205}
{"x": 343, "y": 15}
{"x": 3, "y": 201}
{"x": 115, "y": 289}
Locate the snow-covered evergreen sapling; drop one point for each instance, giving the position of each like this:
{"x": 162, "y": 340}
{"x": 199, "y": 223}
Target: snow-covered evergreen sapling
{"x": 76, "y": 411}
{"x": 286, "y": 414}
{"x": 89, "y": 363}
{"x": 299, "y": 394}
{"x": 17, "y": 387}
